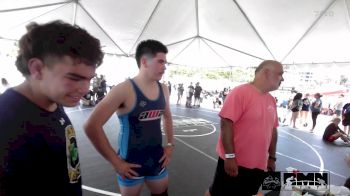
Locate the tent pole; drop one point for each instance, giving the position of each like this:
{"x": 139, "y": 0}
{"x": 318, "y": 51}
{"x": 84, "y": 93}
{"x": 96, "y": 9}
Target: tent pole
{"x": 309, "y": 29}
{"x": 222, "y": 58}
{"x": 197, "y": 18}
{"x": 174, "y": 43}
{"x": 255, "y": 30}
{"x": 347, "y": 11}
{"x": 232, "y": 48}
{"x": 146, "y": 25}
{"x": 102, "y": 29}
{"x": 34, "y": 7}
{"x": 75, "y": 7}
{"x": 183, "y": 49}
{"x": 27, "y": 21}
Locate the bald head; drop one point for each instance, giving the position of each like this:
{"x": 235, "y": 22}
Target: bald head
{"x": 268, "y": 75}
{"x": 267, "y": 64}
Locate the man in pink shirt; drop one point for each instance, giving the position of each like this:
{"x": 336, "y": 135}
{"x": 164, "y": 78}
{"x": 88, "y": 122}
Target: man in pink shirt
{"x": 247, "y": 142}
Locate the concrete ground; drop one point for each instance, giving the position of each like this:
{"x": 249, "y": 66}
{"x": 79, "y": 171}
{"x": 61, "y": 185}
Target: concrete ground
{"x": 194, "y": 159}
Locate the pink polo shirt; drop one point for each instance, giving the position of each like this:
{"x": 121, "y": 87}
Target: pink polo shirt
{"x": 254, "y": 115}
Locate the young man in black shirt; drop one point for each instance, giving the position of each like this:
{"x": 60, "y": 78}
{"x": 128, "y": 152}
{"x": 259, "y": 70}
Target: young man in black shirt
{"x": 38, "y": 147}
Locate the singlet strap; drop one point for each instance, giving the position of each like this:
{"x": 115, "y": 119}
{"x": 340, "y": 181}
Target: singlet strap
{"x": 139, "y": 93}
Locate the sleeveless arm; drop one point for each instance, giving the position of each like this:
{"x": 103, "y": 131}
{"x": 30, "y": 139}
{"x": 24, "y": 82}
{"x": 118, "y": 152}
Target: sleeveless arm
{"x": 168, "y": 121}
{"x": 100, "y": 115}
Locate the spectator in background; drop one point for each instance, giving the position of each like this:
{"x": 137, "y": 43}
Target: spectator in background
{"x": 103, "y": 84}
{"x": 4, "y": 85}
{"x": 339, "y": 106}
{"x": 180, "y": 92}
{"x": 316, "y": 107}
{"x": 88, "y": 99}
{"x": 100, "y": 94}
{"x": 169, "y": 87}
{"x": 346, "y": 118}
{"x": 295, "y": 108}
{"x": 305, "y": 108}
{"x": 224, "y": 94}
{"x": 190, "y": 91}
{"x": 95, "y": 83}
{"x": 217, "y": 103}
{"x": 197, "y": 94}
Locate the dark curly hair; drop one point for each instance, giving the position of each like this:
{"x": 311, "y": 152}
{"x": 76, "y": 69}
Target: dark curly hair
{"x": 298, "y": 96}
{"x": 57, "y": 39}
{"x": 149, "y": 47}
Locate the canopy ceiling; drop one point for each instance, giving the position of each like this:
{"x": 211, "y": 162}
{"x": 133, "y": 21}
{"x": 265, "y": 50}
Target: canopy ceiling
{"x": 204, "y": 33}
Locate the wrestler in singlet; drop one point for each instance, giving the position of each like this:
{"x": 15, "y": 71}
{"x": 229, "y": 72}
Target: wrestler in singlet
{"x": 140, "y": 137}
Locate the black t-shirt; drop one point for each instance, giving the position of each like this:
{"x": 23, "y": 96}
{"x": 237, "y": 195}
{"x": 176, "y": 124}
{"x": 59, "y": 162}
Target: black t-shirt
{"x": 330, "y": 130}
{"x": 103, "y": 84}
{"x": 306, "y": 104}
{"x": 39, "y": 154}
{"x": 180, "y": 90}
{"x": 190, "y": 89}
{"x": 197, "y": 91}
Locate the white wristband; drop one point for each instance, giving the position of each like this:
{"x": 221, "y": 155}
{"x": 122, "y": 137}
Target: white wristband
{"x": 170, "y": 144}
{"x": 230, "y": 156}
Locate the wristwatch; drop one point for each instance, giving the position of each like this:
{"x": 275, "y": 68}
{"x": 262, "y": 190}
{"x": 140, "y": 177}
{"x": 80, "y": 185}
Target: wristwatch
{"x": 272, "y": 158}
{"x": 230, "y": 156}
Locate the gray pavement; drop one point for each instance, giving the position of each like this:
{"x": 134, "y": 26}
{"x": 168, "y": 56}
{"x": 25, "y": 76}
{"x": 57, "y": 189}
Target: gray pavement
{"x": 194, "y": 160}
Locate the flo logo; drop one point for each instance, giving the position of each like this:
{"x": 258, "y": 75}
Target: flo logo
{"x": 296, "y": 180}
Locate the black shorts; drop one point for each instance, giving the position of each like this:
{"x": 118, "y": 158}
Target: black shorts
{"x": 295, "y": 110}
{"x": 306, "y": 109}
{"x": 246, "y": 183}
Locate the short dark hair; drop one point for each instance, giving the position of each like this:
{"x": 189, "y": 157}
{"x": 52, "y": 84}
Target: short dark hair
{"x": 57, "y": 39}
{"x": 298, "y": 96}
{"x": 149, "y": 47}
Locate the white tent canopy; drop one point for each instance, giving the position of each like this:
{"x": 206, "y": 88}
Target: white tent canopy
{"x": 204, "y": 33}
